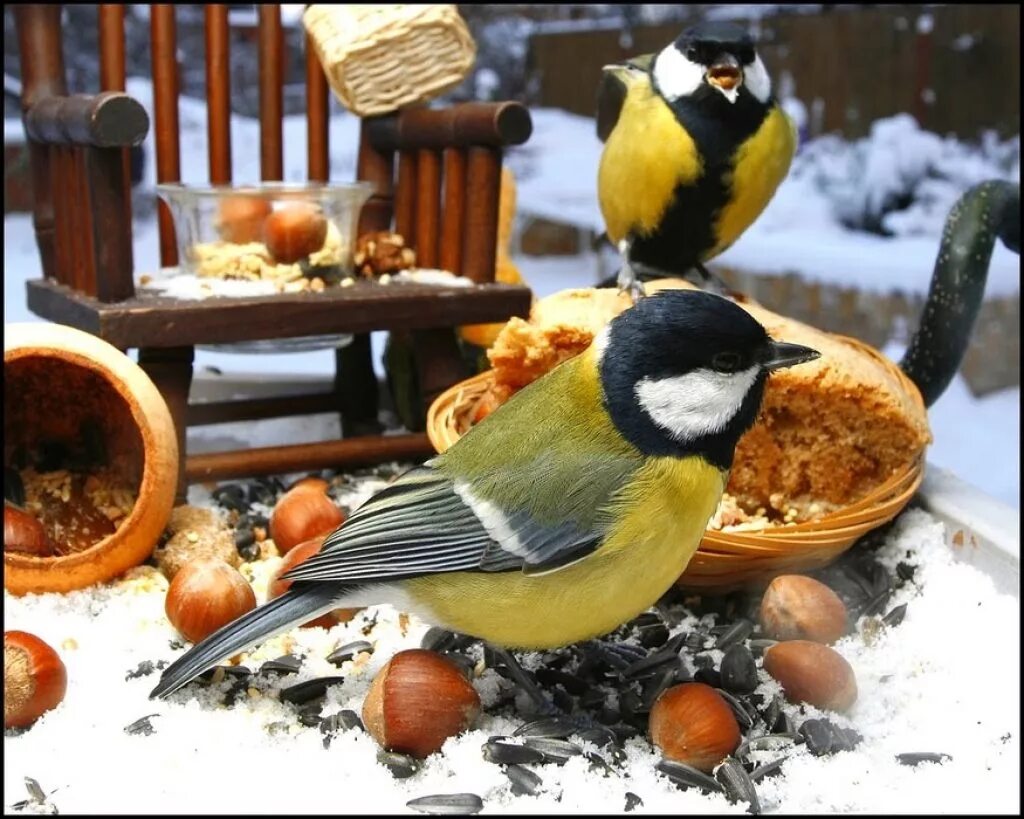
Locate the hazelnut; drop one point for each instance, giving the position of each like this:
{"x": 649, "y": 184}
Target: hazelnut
{"x": 692, "y": 723}
{"x": 205, "y": 595}
{"x": 812, "y": 673}
{"x": 24, "y": 533}
{"x": 301, "y": 513}
{"x": 795, "y": 607}
{"x": 294, "y": 231}
{"x": 417, "y": 701}
{"x": 276, "y": 587}
{"x": 35, "y": 679}
{"x": 240, "y": 218}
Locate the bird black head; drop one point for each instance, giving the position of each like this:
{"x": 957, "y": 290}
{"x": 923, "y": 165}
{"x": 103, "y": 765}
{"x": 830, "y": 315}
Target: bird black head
{"x": 712, "y": 61}
{"x": 683, "y": 372}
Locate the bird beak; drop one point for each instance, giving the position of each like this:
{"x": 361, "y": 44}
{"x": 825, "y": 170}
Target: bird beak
{"x": 783, "y": 354}
{"x": 726, "y": 74}
{"x": 618, "y": 70}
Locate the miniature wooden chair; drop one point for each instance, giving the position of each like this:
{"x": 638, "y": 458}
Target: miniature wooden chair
{"x": 82, "y": 217}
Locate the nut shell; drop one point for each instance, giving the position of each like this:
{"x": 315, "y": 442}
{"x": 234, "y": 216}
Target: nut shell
{"x": 692, "y": 723}
{"x": 417, "y": 701}
{"x": 276, "y": 587}
{"x": 35, "y": 679}
{"x": 205, "y": 595}
{"x": 240, "y": 218}
{"x": 24, "y": 533}
{"x": 796, "y": 607}
{"x": 294, "y": 231}
{"x": 302, "y": 513}
{"x": 812, "y": 673}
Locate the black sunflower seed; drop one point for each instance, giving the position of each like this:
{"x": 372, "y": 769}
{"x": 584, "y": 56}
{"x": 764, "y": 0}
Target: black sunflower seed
{"x": 524, "y": 781}
{"x": 438, "y": 639}
{"x": 145, "y": 668}
{"x": 768, "y": 769}
{"x": 142, "y": 726}
{"x": 344, "y": 653}
{"x": 736, "y": 633}
{"x": 504, "y": 753}
{"x": 593, "y": 698}
{"x": 597, "y": 764}
{"x": 554, "y": 750}
{"x": 916, "y": 758}
{"x": 905, "y": 571}
{"x": 651, "y": 665}
{"x": 35, "y": 790}
{"x": 632, "y": 801}
{"x": 694, "y": 641}
{"x": 760, "y": 645}
{"x": 285, "y": 664}
{"x": 599, "y": 735}
{"x": 708, "y": 676}
{"x": 400, "y": 765}
{"x": 738, "y": 670}
{"x": 309, "y": 715}
{"x": 844, "y": 739}
{"x": 895, "y": 617}
{"x": 562, "y": 700}
{"x": 817, "y": 733}
{"x": 737, "y": 784}
{"x": 556, "y": 727}
{"x": 550, "y": 677}
{"x": 304, "y": 692}
{"x": 688, "y": 777}
{"x": 466, "y": 664}
{"x": 452, "y": 804}
{"x": 763, "y": 742}
{"x": 656, "y": 686}
{"x": 745, "y": 715}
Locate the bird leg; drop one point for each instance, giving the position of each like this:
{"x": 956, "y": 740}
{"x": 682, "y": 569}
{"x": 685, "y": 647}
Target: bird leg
{"x": 628, "y": 280}
{"x": 716, "y": 283}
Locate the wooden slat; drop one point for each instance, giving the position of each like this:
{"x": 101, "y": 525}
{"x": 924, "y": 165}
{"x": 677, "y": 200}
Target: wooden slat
{"x": 112, "y": 78}
{"x": 165, "y": 110}
{"x": 83, "y": 267}
{"x": 483, "y": 185}
{"x": 63, "y": 209}
{"x": 317, "y": 139}
{"x": 378, "y": 167}
{"x": 428, "y": 204}
{"x": 218, "y": 93}
{"x": 42, "y": 75}
{"x": 453, "y": 213}
{"x": 254, "y": 409}
{"x": 151, "y": 321}
{"x": 405, "y": 196}
{"x": 367, "y": 449}
{"x": 271, "y": 58}
{"x": 108, "y": 235}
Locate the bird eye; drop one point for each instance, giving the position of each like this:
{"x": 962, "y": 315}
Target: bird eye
{"x": 727, "y": 362}
{"x": 691, "y": 54}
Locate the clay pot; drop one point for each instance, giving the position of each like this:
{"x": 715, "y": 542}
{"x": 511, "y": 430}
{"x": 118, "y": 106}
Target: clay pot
{"x": 57, "y": 382}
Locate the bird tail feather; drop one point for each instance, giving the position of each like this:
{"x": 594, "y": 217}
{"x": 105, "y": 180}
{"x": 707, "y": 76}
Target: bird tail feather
{"x": 294, "y": 607}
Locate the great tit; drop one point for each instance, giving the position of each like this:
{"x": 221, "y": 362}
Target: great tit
{"x": 696, "y": 146}
{"x": 567, "y": 511}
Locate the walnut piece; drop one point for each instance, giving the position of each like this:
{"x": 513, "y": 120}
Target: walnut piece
{"x": 382, "y": 252}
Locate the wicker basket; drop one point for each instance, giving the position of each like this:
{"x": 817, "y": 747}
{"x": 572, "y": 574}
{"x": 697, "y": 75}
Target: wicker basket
{"x": 728, "y": 560}
{"x": 380, "y": 57}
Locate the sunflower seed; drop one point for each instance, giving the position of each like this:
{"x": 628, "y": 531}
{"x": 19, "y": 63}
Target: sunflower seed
{"x": 504, "y": 753}
{"x": 905, "y": 571}
{"x": 917, "y": 758}
{"x": 768, "y": 741}
{"x": 593, "y": 698}
{"x": 739, "y": 710}
{"x": 770, "y": 713}
{"x": 145, "y": 668}
{"x": 694, "y": 641}
{"x": 244, "y": 538}
{"x": 524, "y": 781}
{"x": 230, "y": 495}
{"x": 656, "y": 686}
{"x": 465, "y": 663}
{"x": 452, "y": 804}
{"x": 759, "y": 645}
{"x": 895, "y": 617}
{"x": 632, "y": 801}
{"x": 736, "y": 633}
{"x": 844, "y": 739}
{"x": 285, "y": 664}
{"x": 550, "y": 677}
{"x": 346, "y": 652}
{"x": 400, "y": 765}
{"x": 686, "y": 776}
{"x": 142, "y": 726}
{"x": 599, "y": 735}
{"x": 438, "y": 639}
{"x": 817, "y": 733}
{"x": 768, "y": 769}
{"x": 738, "y": 670}
{"x": 652, "y": 632}
{"x": 736, "y": 783}
{"x": 651, "y": 665}
{"x": 310, "y": 690}
{"x": 554, "y": 750}
{"x": 676, "y": 643}
{"x": 310, "y": 715}
{"x": 35, "y": 790}
{"x": 557, "y": 727}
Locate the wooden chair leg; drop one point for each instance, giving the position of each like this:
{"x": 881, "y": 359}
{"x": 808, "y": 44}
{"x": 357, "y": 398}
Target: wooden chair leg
{"x": 439, "y": 363}
{"x": 171, "y": 371}
{"x": 355, "y": 385}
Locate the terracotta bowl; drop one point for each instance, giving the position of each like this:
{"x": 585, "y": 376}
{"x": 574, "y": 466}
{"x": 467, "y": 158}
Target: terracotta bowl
{"x": 56, "y": 379}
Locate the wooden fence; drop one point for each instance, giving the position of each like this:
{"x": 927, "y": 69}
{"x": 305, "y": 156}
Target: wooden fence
{"x": 955, "y": 67}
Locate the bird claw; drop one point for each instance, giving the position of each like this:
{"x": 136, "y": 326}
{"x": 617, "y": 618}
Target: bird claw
{"x": 630, "y": 284}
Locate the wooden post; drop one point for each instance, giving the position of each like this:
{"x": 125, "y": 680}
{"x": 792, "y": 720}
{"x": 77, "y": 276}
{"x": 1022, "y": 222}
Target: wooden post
{"x": 165, "y": 111}
{"x": 112, "y": 78}
{"x": 271, "y": 57}
{"x": 218, "y": 93}
{"x": 317, "y": 133}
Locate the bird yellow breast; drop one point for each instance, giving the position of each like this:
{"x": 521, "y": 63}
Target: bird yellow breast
{"x": 761, "y": 163}
{"x": 647, "y": 155}
{"x": 660, "y": 518}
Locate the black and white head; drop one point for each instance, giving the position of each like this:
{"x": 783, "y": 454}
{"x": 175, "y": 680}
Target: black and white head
{"x": 684, "y": 371}
{"x": 711, "y": 61}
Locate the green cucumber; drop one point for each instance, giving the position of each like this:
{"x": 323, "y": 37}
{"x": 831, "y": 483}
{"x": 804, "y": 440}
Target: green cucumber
{"x": 958, "y": 283}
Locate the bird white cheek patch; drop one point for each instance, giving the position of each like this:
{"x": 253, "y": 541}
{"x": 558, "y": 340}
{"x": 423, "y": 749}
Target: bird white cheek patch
{"x": 698, "y": 403}
{"x": 755, "y": 77}
{"x": 675, "y": 75}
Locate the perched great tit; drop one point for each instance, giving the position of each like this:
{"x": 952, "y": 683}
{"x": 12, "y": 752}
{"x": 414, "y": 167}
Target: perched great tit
{"x": 696, "y": 146}
{"x": 567, "y": 511}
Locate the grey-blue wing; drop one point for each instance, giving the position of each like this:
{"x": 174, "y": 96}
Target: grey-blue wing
{"x": 424, "y": 524}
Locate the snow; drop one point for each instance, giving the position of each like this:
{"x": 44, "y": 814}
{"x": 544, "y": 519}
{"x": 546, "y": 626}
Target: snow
{"x": 915, "y": 694}
{"x": 801, "y": 231}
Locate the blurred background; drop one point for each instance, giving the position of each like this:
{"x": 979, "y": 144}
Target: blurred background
{"x": 900, "y": 108}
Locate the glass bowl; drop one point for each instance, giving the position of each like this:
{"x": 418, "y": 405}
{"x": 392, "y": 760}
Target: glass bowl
{"x": 281, "y": 231}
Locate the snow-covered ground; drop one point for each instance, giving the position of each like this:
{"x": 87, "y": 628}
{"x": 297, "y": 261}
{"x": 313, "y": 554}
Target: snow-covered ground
{"x": 801, "y": 231}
